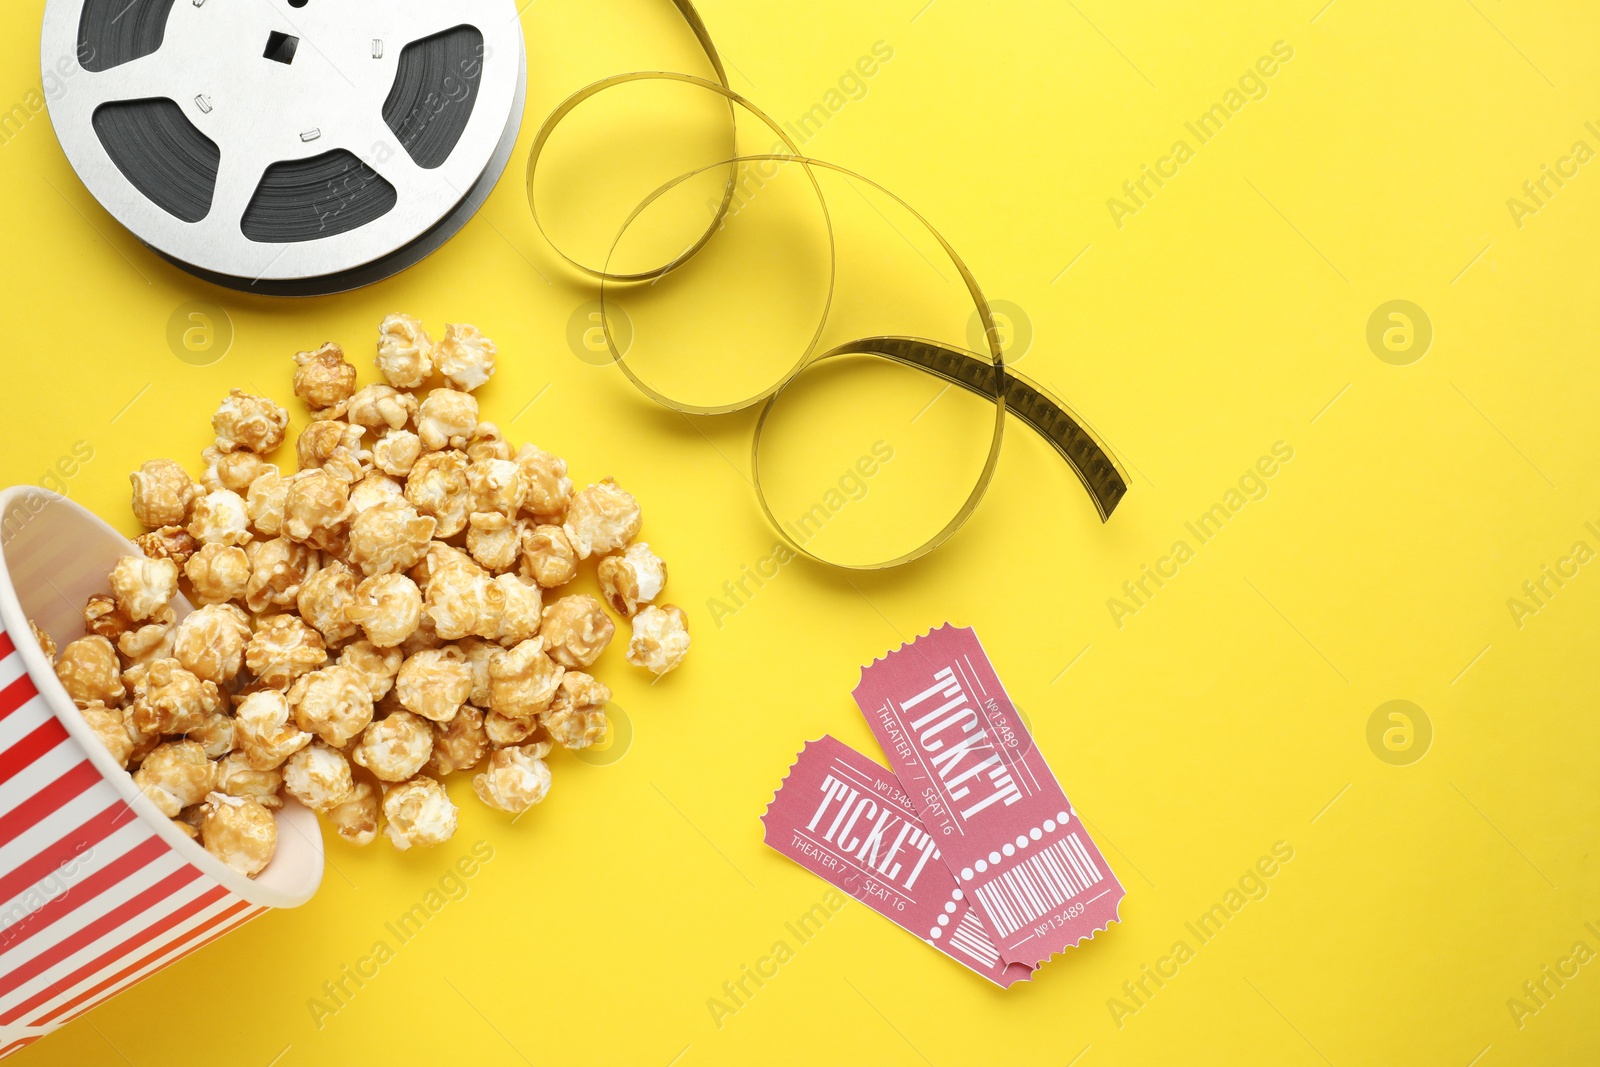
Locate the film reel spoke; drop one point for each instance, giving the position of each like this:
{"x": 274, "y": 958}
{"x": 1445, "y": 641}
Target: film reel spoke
{"x": 418, "y": 21}
{"x": 238, "y": 178}
{"x": 137, "y": 79}
{"x": 371, "y": 140}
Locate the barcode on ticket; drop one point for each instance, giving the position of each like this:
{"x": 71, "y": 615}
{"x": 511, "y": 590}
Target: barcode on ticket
{"x": 971, "y": 938}
{"x": 1040, "y": 884}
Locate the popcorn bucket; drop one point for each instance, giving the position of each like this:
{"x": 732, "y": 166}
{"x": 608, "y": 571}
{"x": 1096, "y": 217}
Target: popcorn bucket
{"x": 98, "y": 889}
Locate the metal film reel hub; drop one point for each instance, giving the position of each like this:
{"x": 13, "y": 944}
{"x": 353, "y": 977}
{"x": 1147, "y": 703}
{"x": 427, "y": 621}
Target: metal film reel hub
{"x": 282, "y": 147}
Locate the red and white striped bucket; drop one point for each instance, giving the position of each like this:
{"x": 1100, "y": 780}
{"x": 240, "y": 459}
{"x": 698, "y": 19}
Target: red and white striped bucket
{"x": 98, "y": 889}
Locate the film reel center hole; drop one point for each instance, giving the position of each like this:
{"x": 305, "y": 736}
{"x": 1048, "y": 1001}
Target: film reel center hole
{"x": 281, "y": 46}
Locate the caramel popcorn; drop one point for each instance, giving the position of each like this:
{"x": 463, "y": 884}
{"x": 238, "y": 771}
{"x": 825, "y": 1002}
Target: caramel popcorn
{"x": 576, "y": 630}
{"x": 220, "y": 517}
{"x": 388, "y": 608}
{"x": 660, "y": 639}
{"x": 378, "y": 406}
{"x": 169, "y": 699}
{"x": 237, "y": 778}
{"x": 102, "y": 616}
{"x": 262, "y": 730}
{"x": 376, "y": 488}
{"x": 396, "y": 452}
{"x": 440, "y": 556}
{"x": 460, "y": 744}
{"x": 230, "y": 470}
{"x": 322, "y": 379}
{"x": 421, "y": 639}
{"x": 515, "y": 779}
{"x": 46, "y": 643}
{"x": 218, "y": 573}
{"x": 143, "y": 743}
{"x": 319, "y": 777}
{"x": 251, "y": 423}
{"x": 332, "y": 703}
{"x": 389, "y": 537}
{"x": 548, "y": 556}
{"x": 145, "y": 644}
{"x": 214, "y": 734}
{"x": 356, "y": 819}
{"x": 497, "y": 485}
{"x": 324, "y": 600}
{"x": 238, "y": 831}
{"x": 210, "y": 641}
{"x": 324, "y": 441}
{"x": 169, "y": 542}
{"x": 349, "y": 467}
{"x": 143, "y": 586}
{"x": 175, "y": 775}
{"x": 502, "y": 731}
{"x": 278, "y": 568}
{"x": 316, "y": 509}
{"x": 465, "y": 357}
{"x": 522, "y": 680}
{"x": 493, "y": 540}
{"x": 601, "y": 518}
{"x": 106, "y": 722}
{"x": 549, "y": 490}
{"x": 420, "y": 813}
{"x": 282, "y": 649}
{"x": 395, "y": 747}
{"x": 478, "y": 651}
{"x": 162, "y": 493}
{"x": 488, "y": 443}
{"x": 90, "y": 672}
{"x": 405, "y": 352}
{"x": 381, "y": 606}
{"x": 461, "y": 597}
{"x": 447, "y": 419}
{"x": 434, "y": 683}
{"x": 265, "y": 500}
{"x": 437, "y": 486}
{"x": 522, "y": 615}
{"x": 376, "y": 666}
{"x": 633, "y": 579}
{"x": 577, "y": 716}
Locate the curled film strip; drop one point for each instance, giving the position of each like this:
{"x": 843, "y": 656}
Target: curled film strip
{"x": 984, "y": 375}
{"x": 289, "y": 147}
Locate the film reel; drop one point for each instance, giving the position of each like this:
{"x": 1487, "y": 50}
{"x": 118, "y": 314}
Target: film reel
{"x": 289, "y": 147}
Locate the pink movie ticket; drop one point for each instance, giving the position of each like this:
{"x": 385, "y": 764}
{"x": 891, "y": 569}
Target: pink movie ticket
{"x": 843, "y": 817}
{"x": 1005, "y": 828}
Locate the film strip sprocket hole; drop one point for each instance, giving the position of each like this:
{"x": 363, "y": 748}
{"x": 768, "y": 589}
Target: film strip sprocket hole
{"x": 288, "y": 148}
{"x": 983, "y": 375}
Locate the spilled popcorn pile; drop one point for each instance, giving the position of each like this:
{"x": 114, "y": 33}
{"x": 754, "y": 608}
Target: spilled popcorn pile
{"x": 369, "y": 624}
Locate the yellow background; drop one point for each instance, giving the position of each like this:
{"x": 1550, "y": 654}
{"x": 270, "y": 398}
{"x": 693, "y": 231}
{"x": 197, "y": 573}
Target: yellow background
{"x": 1228, "y": 714}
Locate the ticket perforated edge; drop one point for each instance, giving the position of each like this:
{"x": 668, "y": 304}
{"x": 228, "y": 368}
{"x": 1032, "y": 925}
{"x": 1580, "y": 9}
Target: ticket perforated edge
{"x": 842, "y": 816}
{"x": 1004, "y": 827}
